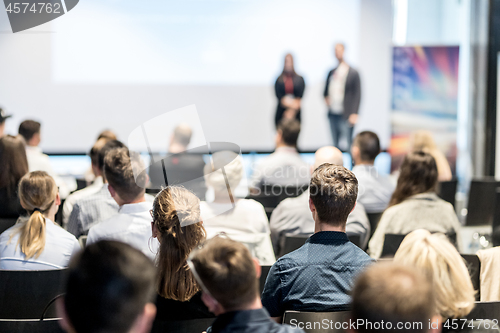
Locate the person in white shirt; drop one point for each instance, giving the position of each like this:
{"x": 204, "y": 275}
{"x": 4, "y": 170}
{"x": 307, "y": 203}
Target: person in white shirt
{"x": 91, "y": 189}
{"x": 375, "y": 190}
{"x": 293, "y": 216}
{"x": 132, "y": 224}
{"x": 284, "y": 166}
{"x": 36, "y": 242}
{"x": 37, "y": 160}
{"x": 243, "y": 220}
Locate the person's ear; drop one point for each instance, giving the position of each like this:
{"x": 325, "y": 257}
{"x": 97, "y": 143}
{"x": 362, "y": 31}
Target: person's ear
{"x": 144, "y": 321}
{"x": 61, "y": 313}
{"x": 111, "y": 190}
{"x": 211, "y": 303}
{"x": 154, "y": 230}
{"x": 312, "y": 208}
{"x": 258, "y": 269}
{"x": 57, "y": 201}
{"x": 354, "y": 152}
{"x": 436, "y": 324}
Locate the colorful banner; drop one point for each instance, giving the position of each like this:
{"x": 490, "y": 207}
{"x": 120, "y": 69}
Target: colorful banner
{"x": 424, "y": 97}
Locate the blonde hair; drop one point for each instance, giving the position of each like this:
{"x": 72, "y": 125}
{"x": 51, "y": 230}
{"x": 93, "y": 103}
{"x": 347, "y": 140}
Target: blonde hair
{"x": 445, "y": 268}
{"x": 37, "y": 193}
{"x": 233, "y": 168}
{"x": 176, "y": 213}
{"x": 423, "y": 140}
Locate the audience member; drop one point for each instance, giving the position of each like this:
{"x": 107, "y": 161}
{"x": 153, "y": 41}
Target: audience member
{"x": 293, "y": 216}
{"x": 284, "y": 166}
{"x": 96, "y": 207}
{"x": 375, "y": 190}
{"x": 89, "y": 190}
{"x": 244, "y": 220}
{"x": 132, "y": 224}
{"x": 13, "y": 166}
{"x": 415, "y": 204}
{"x": 179, "y": 229}
{"x": 181, "y": 167}
{"x": 319, "y": 275}
{"x": 108, "y": 135}
{"x": 110, "y": 288}
{"x": 37, "y": 243}
{"x": 439, "y": 260}
{"x": 393, "y": 298}
{"x": 104, "y": 136}
{"x": 38, "y": 161}
{"x": 3, "y": 117}
{"x": 229, "y": 278}
{"x": 423, "y": 141}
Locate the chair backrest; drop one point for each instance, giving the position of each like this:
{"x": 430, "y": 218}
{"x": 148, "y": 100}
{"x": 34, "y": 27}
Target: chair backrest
{"x": 334, "y": 320}
{"x": 263, "y": 276}
{"x": 25, "y": 294}
{"x": 481, "y": 206}
{"x": 82, "y": 240}
{"x": 373, "y": 218}
{"x": 485, "y": 310}
{"x": 30, "y": 325}
{"x": 6, "y": 223}
{"x": 292, "y": 243}
{"x": 271, "y": 195}
{"x": 356, "y": 240}
{"x": 474, "y": 267}
{"x": 182, "y": 326}
{"x": 448, "y": 190}
{"x": 393, "y": 241}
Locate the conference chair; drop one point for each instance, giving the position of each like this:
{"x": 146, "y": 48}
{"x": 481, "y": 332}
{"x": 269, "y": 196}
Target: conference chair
{"x": 293, "y": 242}
{"x": 6, "y": 223}
{"x": 313, "y": 322}
{"x": 82, "y": 240}
{"x": 485, "y": 310}
{"x": 447, "y": 191}
{"x": 481, "y": 205}
{"x": 356, "y": 240}
{"x": 263, "y": 276}
{"x": 271, "y": 195}
{"x": 182, "y": 326}
{"x": 373, "y": 218}
{"x": 474, "y": 267}
{"x": 26, "y": 294}
{"x": 30, "y": 325}
{"x": 393, "y": 241}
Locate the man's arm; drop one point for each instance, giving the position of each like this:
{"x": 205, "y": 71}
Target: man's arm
{"x": 74, "y": 221}
{"x": 272, "y": 298}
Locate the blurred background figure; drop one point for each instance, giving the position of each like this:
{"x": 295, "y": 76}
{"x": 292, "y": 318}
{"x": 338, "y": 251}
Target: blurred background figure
{"x": 244, "y": 220}
{"x": 423, "y": 141}
{"x": 181, "y": 167}
{"x": 289, "y": 88}
{"x": 13, "y": 166}
{"x": 103, "y": 137}
{"x": 342, "y": 97}
{"x": 3, "y": 117}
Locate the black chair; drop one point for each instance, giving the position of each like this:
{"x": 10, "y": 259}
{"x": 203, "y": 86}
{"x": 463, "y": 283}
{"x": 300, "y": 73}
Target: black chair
{"x": 80, "y": 184}
{"x": 182, "y": 326}
{"x": 263, "y": 276}
{"x": 474, "y": 267}
{"x": 448, "y": 190}
{"x": 30, "y": 325}
{"x": 316, "y": 320}
{"x": 373, "y": 218}
{"x": 393, "y": 241}
{"x": 6, "y": 223}
{"x": 25, "y": 294}
{"x": 485, "y": 310}
{"x": 152, "y": 191}
{"x": 292, "y": 243}
{"x": 356, "y": 240}
{"x": 271, "y": 195}
{"x": 481, "y": 206}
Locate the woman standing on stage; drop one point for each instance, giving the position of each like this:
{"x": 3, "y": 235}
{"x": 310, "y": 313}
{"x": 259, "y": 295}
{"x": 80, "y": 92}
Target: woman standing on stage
{"x": 289, "y": 90}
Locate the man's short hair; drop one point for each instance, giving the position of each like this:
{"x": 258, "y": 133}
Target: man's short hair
{"x": 368, "y": 144}
{"x": 108, "y": 285}
{"x": 96, "y": 148}
{"x": 107, "y": 134}
{"x": 182, "y": 134}
{"x": 333, "y": 191}
{"x": 28, "y": 128}
{"x": 227, "y": 270}
{"x": 110, "y": 145}
{"x": 394, "y": 294}
{"x": 290, "y": 130}
{"x": 119, "y": 172}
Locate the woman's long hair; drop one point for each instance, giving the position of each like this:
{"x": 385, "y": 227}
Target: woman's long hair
{"x": 176, "y": 215}
{"x": 37, "y": 192}
{"x": 13, "y": 162}
{"x": 418, "y": 175}
{"x": 284, "y": 72}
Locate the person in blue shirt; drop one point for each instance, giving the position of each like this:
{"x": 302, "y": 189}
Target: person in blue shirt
{"x": 318, "y": 276}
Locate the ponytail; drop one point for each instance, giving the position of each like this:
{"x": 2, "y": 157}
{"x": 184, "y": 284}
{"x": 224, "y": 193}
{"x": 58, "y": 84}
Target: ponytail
{"x": 32, "y": 235}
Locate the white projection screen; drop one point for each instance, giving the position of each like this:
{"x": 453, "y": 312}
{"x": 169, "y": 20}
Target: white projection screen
{"x": 110, "y": 64}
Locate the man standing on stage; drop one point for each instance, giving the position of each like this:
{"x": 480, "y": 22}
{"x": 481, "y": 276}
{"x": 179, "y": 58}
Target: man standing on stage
{"x": 342, "y": 96}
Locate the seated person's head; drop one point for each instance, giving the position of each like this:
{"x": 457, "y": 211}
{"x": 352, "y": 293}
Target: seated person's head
{"x": 365, "y": 148}
{"x": 109, "y": 145}
{"x": 288, "y": 133}
{"x": 394, "y": 295}
{"x": 233, "y": 168}
{"x": 181, "y": 138}
{"x": 328, "y": 154}
{"x": 110, "y": 288}
{"x": 94, "y": 155}
{"x": 119, "y": 172}
{"x": 107, "y": 134}
{"x": 179, "y": 229}
{"x": 30, "y": 131}
{"x": 418, "y": 174}
{"x": 228, "y": 274}
{"x": 13, "y": 162}
{"x": 39, "y": 195}
{"x": 333, "y": 192}
{"x": 434, "y": 255}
